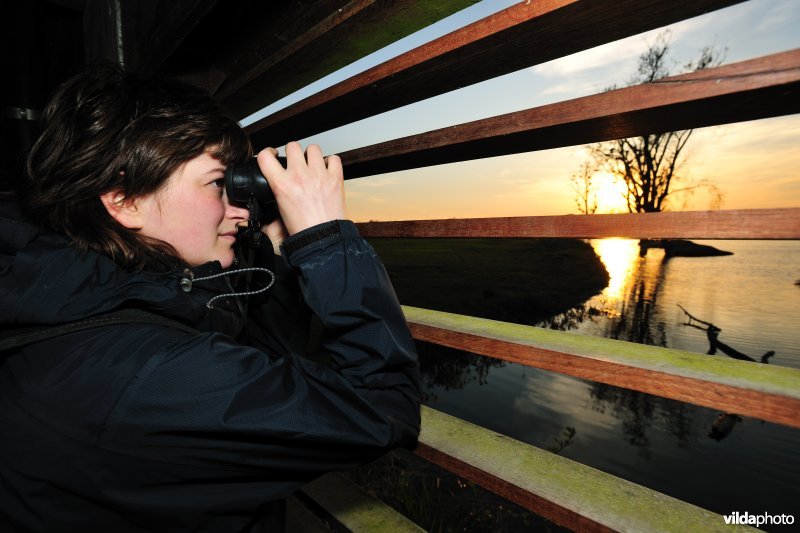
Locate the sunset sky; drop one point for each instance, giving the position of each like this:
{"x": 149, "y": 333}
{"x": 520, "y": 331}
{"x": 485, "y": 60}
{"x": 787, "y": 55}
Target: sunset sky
{"x": 755, "y": 164}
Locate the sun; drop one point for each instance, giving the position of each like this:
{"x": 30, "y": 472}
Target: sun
{"x": 610, "y": 193}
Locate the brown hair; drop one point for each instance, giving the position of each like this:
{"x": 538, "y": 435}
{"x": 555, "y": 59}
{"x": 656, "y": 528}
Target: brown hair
{"x": 106, "y": 130}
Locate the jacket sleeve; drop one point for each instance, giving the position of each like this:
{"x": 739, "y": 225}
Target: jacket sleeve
{"x": 209, "y": 402}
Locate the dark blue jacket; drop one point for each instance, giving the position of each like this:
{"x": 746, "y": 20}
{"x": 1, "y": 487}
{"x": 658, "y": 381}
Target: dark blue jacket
{"x": 142, "y": 427}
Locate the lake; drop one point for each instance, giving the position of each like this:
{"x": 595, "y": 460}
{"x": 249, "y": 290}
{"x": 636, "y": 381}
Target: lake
{"x": 715, "y": 460}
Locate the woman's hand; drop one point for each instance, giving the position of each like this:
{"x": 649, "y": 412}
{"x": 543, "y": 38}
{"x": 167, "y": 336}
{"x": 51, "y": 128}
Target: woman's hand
{"x": 309, "y": 191}
{"x": 276, "y": 233}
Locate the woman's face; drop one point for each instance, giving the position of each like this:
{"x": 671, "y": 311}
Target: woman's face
{"x": 191, "y": 212}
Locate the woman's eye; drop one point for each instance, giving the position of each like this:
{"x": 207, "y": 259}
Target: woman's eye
{"x": 220, "y": 183}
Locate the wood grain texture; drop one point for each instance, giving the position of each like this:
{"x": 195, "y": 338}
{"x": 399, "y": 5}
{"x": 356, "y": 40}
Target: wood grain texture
{"x": 552, "y": 511}
{"x": 275, "y": 48}
{"x": 526, "y": 34}
{"x": 727, "y": 224}
{"x": 761, "y": 391}
{"x": 759, "y": 88}
{"x": 566, "y": 492}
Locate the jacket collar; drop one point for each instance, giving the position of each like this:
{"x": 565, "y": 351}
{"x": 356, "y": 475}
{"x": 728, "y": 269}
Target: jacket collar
{"x": 44, "y": 280}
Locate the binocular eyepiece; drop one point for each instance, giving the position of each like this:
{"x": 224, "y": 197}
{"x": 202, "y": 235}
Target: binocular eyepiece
{"x": 246, "y": 185}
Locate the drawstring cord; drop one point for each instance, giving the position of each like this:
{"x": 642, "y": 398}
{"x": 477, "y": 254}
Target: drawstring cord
{"x": 187, "y": 282}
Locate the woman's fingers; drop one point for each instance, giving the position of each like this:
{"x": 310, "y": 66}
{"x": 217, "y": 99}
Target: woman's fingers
{"x": 334, "y": 166}
{"x": 308, "y": 190}
{"x": 315, "y": 159}
{"x": 294, "y": 155}
{"x": 268, "y": 162}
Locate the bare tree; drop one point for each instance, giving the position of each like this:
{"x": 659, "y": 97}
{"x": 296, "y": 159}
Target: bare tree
{"x": 650, "y": 166}
{"x": 585, "y": 192}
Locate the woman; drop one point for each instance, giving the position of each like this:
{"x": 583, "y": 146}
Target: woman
{"x": 205, "y": 417}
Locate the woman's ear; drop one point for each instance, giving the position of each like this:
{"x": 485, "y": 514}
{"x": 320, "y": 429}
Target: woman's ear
{"x": 122, "y": 209}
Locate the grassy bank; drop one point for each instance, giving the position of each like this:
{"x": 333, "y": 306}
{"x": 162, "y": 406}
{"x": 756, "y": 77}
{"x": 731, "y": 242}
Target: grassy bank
{"x": 514, "y": 280}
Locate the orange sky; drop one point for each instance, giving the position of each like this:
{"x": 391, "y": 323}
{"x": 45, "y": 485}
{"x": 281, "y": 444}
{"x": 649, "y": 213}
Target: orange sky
{"x": 755, "y": 164}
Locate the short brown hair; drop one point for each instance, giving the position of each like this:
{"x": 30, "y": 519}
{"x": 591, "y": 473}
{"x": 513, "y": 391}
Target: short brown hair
{"x": 106, "y": 130}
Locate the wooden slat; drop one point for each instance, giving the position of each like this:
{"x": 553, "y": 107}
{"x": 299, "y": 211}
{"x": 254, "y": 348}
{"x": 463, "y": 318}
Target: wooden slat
{"x": 301, "y": 36}
{"x": 727, "y": 224}
{"x": 275, "y": 48}
{"x": 568, "y": 493}
{"x": 353, "y": 508}
{"x": 526, "y": 34}
{"x": 751, "y": 389}
{"x": 300, "y": 518}
{"x": 759, "y": 88}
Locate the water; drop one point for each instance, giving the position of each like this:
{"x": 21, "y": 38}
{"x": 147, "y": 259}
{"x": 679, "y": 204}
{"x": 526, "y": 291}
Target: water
{"x": 751, "y": 295}
{"x": 715, "y": 460}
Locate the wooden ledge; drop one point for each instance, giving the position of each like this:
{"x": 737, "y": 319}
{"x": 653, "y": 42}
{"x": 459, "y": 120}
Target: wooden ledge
{"x": 354, "y": 509}
{"x": 762, "y": 391}
{"x": 564, "y": 491}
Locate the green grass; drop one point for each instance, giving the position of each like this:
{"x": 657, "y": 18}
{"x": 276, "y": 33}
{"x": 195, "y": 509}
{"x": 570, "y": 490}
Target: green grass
{"x": 514, "y": 280}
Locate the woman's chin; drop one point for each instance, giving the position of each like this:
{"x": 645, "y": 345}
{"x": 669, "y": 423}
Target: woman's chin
{"x": 226, "y": 261}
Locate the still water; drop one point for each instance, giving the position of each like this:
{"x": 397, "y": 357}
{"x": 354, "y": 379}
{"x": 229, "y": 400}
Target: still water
{"x": 751, "y": 295}
{"x": 715, "y": 460}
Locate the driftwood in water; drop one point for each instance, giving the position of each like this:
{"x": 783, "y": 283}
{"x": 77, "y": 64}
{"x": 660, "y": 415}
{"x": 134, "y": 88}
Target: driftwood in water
{"x": 712, "y": 332}
{"x": 725, "y": 422}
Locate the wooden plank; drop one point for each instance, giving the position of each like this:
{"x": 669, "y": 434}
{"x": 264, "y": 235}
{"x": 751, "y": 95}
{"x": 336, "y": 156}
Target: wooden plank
{"x": 726, "y": 224}
{"x": 272, "y": 49}
{"x": 766, "y": 392}
{"x": 300, "y": 518}
{"x": 525, "y": 34}
{"x": 352, "y": 507}
{"x": 759, "y": 88}
{"x": 568, "y": 493}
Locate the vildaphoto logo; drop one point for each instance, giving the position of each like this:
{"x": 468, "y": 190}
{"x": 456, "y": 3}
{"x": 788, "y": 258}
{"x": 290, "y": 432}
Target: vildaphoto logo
{"x": 763, "y": 519}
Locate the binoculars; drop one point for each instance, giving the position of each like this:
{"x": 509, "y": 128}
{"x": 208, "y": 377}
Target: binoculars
{"x": 245, "y": 184}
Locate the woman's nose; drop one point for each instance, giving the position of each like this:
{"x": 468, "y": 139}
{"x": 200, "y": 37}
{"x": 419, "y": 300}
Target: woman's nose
{"x": 235, "y": 211}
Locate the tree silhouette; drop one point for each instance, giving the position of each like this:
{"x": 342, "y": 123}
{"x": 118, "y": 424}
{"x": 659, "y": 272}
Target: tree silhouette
{"x": 585, "y": 191}
{"x": 650, "y": 165}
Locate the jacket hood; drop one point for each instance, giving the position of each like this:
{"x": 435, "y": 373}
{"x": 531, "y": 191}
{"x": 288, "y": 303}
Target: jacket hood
{"x": 44, "y": 280}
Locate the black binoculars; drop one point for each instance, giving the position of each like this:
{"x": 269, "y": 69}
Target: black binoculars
{"x": 246, "y": 185}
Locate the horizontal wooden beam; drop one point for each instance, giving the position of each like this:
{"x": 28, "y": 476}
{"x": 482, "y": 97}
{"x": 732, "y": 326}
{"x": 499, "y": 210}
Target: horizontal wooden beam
{"x": 352, "y": 508}
{"x": 275, "y": 48}
{"x": 568, "y": 493}
{"x": 528, "y": 33}
{"x": 757, "y": 390}
{"x": 759, "y": 88}
{"x": 727, "y": 224}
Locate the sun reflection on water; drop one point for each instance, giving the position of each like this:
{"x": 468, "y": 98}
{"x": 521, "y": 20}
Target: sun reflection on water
{"x": 619, "y": 257}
